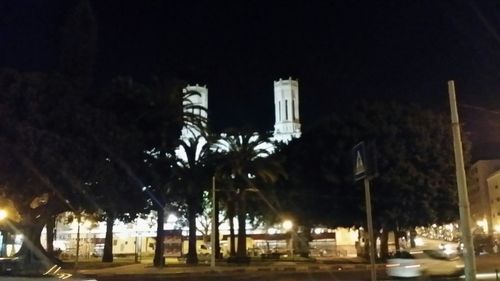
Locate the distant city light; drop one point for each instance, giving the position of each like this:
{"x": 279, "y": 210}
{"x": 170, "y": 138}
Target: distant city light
{"x": 287, "y": 224}
{"x": 419, "y": 241}
{"x": 497, "y": 228}
{"x": 272, "y": 231}
{"x": 172, "y": 218}
{"x": 481, "y": 223}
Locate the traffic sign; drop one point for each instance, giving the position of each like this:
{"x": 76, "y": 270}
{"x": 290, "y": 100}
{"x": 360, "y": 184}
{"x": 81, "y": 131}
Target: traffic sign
{"x": 359, "y": 161}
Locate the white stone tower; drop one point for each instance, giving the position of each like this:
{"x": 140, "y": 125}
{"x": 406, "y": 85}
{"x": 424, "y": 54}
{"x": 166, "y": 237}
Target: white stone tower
{"x": 286, "y": 108}
{"x": 200, "y": 100}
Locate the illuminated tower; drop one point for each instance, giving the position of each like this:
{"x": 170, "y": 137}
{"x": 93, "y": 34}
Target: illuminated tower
{"x": 199, "y": 100}
{"x": 286, "y": 108}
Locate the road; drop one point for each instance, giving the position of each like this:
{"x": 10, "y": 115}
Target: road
{"x": 254, "y": 276}
{"x": 486, "y": 266}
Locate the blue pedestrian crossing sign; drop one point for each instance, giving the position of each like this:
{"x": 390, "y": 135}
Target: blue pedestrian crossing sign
{"x": 359, "y": 161}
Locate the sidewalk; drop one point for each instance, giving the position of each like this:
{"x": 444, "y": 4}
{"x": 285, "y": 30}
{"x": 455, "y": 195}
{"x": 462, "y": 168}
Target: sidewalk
{"x": 147, "y": 268}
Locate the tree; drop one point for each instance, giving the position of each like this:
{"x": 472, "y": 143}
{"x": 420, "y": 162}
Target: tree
{"x": 48, "y": 159}
{"x": 56, "y": 129}
{"x": 144, "y": 123}
{"x": 160, "y": 159}
{"x": 193, "y": 177}
{"x": 415, "y": 185}
{"x": 116, "y": 197}
{"x": 246, "y": 165}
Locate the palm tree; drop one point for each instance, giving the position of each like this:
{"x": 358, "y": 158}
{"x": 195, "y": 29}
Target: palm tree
{"x": 248, "y": 165}
{"x": 193, "y": 176}
{"x": 186, "y": 113}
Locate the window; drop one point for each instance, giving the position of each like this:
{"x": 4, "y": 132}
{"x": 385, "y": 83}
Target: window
{"x": 286, "y": 110}
{"x": 279, "y": 111}
{"x": 293, "y": 109}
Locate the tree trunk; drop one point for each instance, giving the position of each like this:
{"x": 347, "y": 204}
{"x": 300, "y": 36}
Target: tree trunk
{"x": 384, "y": 243}
{"x": 413, "y": 234}
{"x": 367, "y": 244}
{"x": 51, "y": 225}
{"x": 230, "y": 212}
{"x": 158, "y": 260}
{"x": 396, "y": 240}
{"x": 108, "y": 240}
{"x": 35, "y": 259}
{"x": 241, "y": 251}
{"x": 217, "y": 234}
{"x": 192, "y": 257}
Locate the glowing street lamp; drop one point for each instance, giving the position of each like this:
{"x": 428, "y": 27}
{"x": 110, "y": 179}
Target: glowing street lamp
{"x": 288, "y": 226}
{"x": 3, "y": 214}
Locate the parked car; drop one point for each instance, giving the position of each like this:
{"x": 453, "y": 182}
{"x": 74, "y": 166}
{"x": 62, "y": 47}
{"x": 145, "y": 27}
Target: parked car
{"x": 425, "y": 263}
{"x": 98, "y": 250}
{"x": 204, "y": 250}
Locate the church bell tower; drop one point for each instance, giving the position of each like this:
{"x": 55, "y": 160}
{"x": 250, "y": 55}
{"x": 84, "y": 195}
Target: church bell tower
{"x": 286, "y": 108}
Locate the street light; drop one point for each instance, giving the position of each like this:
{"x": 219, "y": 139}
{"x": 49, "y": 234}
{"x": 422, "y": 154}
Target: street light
{"x": 3, "y": 214}
{"x": 288, "y": 226}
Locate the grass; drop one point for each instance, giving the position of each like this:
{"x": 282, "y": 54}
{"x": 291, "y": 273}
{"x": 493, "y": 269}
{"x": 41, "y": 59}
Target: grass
{"x": 96, "y": 263}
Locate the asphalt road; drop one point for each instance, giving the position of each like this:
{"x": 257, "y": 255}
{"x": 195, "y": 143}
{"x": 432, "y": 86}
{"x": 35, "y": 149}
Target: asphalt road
{"x": 253, "y": 276}
{"x": 486, "y": 271}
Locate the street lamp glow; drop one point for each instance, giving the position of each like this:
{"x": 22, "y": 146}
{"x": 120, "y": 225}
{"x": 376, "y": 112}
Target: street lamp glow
{"x": 3, "y": 214}
{"x": 287, "y": 225}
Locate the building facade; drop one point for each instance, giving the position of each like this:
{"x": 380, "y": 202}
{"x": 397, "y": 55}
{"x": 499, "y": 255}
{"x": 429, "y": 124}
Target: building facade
{"x": 480, "y": 195}
{"x": 493, "y": 182}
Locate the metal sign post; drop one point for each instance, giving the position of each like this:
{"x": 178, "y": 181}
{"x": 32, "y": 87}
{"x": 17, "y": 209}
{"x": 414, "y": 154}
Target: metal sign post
{"x": 370, "y": 228}
{"x": 361, "y": 171}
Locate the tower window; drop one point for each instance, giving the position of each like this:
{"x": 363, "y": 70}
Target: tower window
{"x": 293, "y": 109}
{"x": 286, "y": 109}
{"x": 279, "y": 110}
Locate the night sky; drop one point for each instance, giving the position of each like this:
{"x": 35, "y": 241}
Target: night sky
{"x": 340, "y": 51}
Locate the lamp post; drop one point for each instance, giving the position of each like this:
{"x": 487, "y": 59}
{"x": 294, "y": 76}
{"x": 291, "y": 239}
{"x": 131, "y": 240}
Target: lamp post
{"x": 78, "y": 220}
{"x": 463, "y": 199}
{"x": 212, "y": 233}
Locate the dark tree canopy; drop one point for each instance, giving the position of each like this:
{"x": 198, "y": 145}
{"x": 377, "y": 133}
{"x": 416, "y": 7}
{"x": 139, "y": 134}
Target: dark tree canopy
{"x": 416, "y": 182}
{"x": 62, "y": 152}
